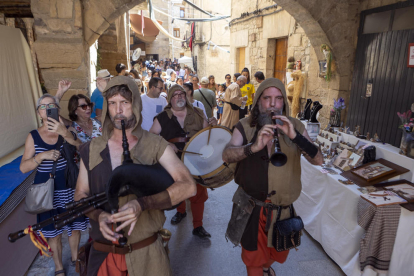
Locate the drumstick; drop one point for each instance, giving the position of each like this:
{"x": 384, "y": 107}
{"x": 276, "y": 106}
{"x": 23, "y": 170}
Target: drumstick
{"x": 189, "y": 152}
{"x": 208, "y": 139}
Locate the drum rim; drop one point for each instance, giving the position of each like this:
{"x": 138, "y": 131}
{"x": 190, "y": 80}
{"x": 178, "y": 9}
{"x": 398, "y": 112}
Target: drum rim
{"x": 192, "y": 138}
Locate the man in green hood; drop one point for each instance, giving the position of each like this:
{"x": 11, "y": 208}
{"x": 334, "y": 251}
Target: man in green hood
{"x": 251, "y": 146}
{"x": 144, "y": 254}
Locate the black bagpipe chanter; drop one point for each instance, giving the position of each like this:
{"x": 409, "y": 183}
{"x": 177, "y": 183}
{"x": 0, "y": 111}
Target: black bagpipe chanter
{"x": 129, "y": 178}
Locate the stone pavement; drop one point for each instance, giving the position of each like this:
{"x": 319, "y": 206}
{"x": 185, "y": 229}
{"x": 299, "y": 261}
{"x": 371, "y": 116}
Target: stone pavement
{"x": 192, "y": 256}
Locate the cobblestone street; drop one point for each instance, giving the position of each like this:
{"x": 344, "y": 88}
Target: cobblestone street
{"x": 193, "y": 256}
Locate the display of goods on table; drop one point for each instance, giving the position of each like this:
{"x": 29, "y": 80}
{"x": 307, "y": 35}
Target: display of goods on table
{"x": 374, "y": 172}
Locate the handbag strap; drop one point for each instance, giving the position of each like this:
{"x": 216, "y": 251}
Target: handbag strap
{"x": 58, "y": 145}
{"x": 205, "y": 98}
{"x": 279, "y": 211}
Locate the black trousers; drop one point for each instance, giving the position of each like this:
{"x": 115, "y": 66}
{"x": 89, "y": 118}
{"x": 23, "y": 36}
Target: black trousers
{"x": 243, "y": 112}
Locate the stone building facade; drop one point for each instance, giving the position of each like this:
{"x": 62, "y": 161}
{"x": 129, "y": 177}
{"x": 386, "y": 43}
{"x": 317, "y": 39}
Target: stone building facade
{"x": 307, "y": 25}
{"x": 256, "y": 36}
{"x": 210, "y": 60}
{"x": 64, "y": 31}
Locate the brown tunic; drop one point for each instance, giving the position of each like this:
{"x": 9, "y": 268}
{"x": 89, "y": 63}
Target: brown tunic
{"x": 258, "y": 177}
{"x": 150, "y": 260}
{"x": 233, "y": 95}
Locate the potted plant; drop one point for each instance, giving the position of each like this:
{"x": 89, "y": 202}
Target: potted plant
{"x": 407, "y": 141}
{"x": 335, "y": 118}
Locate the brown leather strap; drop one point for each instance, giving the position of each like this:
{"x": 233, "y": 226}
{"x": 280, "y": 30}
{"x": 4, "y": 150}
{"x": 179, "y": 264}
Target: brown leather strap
{"x": 179, "y": 140}
{"x": 122, "y": 250}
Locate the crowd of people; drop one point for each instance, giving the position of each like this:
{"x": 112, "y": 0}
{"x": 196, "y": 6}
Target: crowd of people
{"x": 163, "y": 106}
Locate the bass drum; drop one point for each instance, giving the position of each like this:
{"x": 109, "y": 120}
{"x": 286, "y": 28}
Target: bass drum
{"x": 207, "y": 167}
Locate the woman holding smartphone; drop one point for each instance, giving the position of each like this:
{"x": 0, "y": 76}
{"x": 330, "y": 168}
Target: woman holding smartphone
{"x": 39, "y": 154}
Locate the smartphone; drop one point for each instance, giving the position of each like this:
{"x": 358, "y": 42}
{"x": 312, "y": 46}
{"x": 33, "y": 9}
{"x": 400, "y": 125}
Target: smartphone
{"x": 53, "y": 113}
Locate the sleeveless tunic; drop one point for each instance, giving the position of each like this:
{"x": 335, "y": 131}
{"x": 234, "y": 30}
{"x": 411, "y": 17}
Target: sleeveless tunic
{"x": 258, "y": 177}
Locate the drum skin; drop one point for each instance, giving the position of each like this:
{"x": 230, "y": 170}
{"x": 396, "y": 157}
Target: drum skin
{"x": 209, "y": 169}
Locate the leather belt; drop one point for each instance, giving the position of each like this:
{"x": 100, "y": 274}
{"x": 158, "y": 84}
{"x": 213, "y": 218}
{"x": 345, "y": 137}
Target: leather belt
{"x": 122, "y": 250}
{"x": 179, "y": 140}
{"x": 269, "y": 207}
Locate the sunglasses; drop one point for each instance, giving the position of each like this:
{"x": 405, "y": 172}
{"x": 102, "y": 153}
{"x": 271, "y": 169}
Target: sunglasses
{"x": 44, "y": 106}
{"x": 85, "y": 106}
{"x": 180, "y": 95}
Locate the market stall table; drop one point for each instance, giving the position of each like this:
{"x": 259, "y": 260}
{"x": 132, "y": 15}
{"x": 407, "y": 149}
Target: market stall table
{"x": 329, "y": 211}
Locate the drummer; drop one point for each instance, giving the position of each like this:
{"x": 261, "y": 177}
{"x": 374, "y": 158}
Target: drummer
{"x": 177, "y": 124}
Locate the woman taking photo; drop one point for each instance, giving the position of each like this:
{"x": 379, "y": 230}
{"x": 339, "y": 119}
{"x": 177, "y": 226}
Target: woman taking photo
{"x": 39, "y": 154}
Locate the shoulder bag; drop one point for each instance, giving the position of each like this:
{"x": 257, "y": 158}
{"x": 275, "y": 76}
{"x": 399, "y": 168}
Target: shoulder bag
{"x": 287, "y": 232}
{"x": 205, "y": 99}
{"x": 39, "y": 197}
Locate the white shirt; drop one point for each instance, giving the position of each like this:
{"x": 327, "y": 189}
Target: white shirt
{"x": 170, "y": 83}
{"x": 169, "y": 73}
{"x": 200, "y": 105}
{"x": 182, "y": 72}
{"x": 151, "y": 107}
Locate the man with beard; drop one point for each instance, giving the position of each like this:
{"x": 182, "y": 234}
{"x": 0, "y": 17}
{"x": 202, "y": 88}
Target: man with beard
{"x": 232, "y": 101}
{"x": 177, "y": 124}
{"x": 263, "y": 183}
{"x": 144, "y": 254}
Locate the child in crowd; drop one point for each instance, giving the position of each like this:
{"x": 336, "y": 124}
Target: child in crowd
{"x": 220, "y": 101}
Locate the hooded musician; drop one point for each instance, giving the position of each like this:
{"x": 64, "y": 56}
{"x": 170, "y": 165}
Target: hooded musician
{"x": 177, "y": 124}
{"x": 269, "y": 187}
{"x": 142, "y": 218}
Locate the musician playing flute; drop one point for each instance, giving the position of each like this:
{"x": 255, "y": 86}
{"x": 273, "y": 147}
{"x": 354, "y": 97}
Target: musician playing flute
{"x": 268, "y": 186}
{"x": 141, "y": 218}
{"x": 177, "y": 124}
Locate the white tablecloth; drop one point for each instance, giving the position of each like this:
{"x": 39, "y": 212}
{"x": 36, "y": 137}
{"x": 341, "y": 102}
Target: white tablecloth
{"x": 329, "y": 211}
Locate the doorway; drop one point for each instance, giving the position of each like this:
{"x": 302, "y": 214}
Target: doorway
{"x": 382, "y": 83}
{"x": 281, "y": 59}
{"x": 241, "y": 57}
{"x": 152, "y": 57}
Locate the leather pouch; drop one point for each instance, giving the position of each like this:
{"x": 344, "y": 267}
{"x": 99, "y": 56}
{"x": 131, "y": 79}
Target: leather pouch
{"x": 233, "y": 106}
{"x": 240, "y": 215}
{"x": 287, "y": 232}
{"x": 82, "y": 261}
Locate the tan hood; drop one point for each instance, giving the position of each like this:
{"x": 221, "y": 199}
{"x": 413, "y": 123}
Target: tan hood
{"x": 171, "y": 91}
{"x": 99, "y": 144}
{"x": 272, "y": 82}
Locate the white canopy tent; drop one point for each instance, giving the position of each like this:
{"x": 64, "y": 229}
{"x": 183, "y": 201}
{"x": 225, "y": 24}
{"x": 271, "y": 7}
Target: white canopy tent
{"x": 187, "y": 61}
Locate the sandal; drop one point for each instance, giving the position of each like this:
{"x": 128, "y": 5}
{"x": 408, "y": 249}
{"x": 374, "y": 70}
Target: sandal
{"x": 60, "y": 272}
{"x": 73, "y": 263}
{"x": 269, "y": 272}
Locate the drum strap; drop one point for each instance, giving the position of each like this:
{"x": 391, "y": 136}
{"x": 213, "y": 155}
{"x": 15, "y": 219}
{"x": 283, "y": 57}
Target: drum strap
{"x": 179, "y": 140}
{"x": 199, "y": 114}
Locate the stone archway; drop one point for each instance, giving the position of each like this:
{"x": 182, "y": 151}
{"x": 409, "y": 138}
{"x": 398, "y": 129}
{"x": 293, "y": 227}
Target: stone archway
{"x": 334, "y": 23}
{"x": 100, "y": 14}
{"x": 64, "y": 30}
